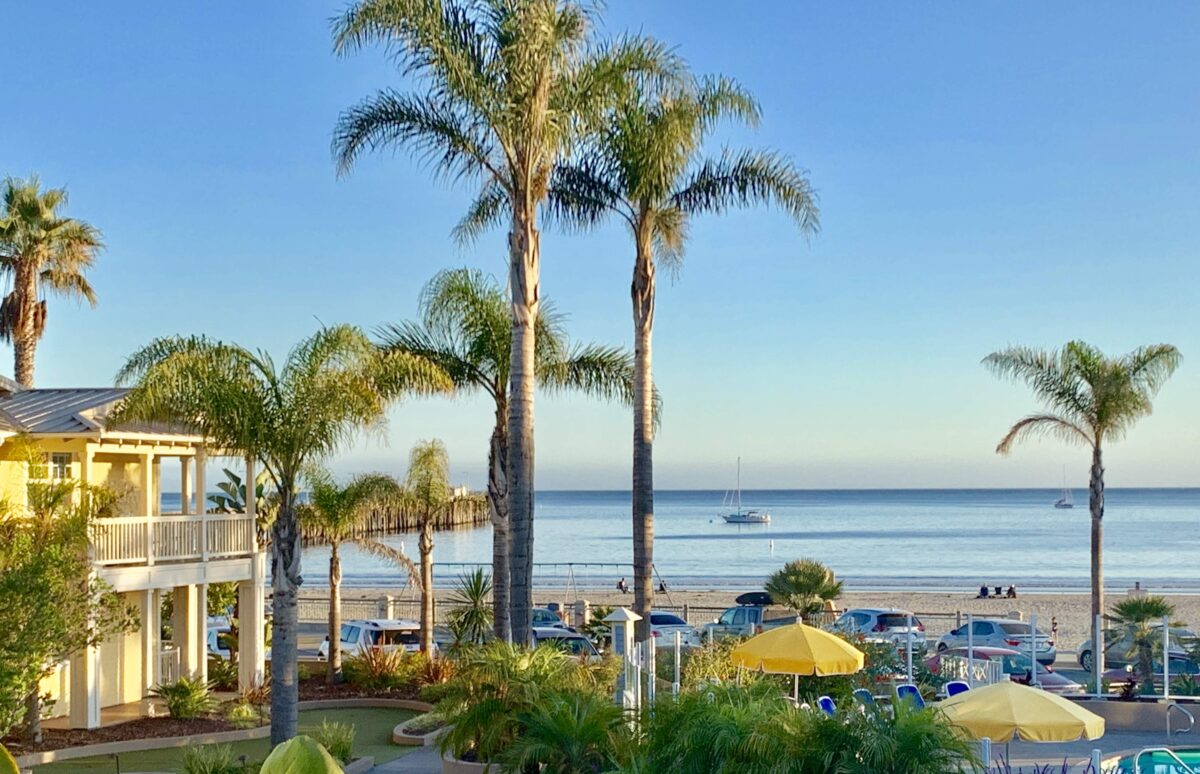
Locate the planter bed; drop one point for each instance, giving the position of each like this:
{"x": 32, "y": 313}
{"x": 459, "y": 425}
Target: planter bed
{"x": 142, "y": 728}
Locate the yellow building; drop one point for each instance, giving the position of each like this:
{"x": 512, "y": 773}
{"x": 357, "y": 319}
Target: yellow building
{"x": 142, "y": 553}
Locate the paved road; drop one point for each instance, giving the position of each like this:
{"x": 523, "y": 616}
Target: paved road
{"x": 422, "y": 761}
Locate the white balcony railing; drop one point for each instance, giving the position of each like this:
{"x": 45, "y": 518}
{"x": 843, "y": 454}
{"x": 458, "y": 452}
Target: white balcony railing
{"x": 154, "y": 539}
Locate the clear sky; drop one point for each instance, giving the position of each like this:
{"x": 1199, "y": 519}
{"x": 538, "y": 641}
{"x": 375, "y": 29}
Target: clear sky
{"x": 990, "y": 173}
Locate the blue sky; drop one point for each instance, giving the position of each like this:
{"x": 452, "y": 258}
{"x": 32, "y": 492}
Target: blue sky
{"x": 990, "y": 173}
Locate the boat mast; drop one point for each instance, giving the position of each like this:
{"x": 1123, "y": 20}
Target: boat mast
{"x": 739, "y": 486}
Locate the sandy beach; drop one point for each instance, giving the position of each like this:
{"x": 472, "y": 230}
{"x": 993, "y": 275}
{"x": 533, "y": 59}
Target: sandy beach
{"x": 938, "y": 611}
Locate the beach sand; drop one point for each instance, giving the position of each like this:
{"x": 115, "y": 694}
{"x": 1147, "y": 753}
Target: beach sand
{"x": 938, "y": 611}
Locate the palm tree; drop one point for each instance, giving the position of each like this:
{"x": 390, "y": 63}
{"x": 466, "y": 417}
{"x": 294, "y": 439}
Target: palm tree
{"x": 464, "y": 329}
{"x": 804, "y": 585}
{"x": 331, "y": 385}
{"x": 1133, "y": 618}
{"x": 42, "y": 251}
{"x": 471, "y": 619}
{"x": 1089, "y": 400}
{"x": 509, "y": 85}
{"x": 335, "y": 511}
{"x": 427, "y": 490}
{"x": 645, "y": 166}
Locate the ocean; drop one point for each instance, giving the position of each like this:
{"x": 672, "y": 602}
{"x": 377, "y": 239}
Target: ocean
{"x": 920, "y": 540}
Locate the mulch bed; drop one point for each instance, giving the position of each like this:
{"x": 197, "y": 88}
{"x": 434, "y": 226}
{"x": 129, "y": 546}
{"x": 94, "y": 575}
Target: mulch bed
{"x": 315, "y": 688}
{"x": 143, "y": 728}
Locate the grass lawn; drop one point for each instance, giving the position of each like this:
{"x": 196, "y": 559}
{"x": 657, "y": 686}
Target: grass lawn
{"x": 373, "y": 737}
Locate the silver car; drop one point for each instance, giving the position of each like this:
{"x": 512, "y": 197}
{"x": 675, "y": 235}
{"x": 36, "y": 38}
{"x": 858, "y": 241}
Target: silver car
{"x": 1000, "y": 633}
{"x": 883, "y": 625}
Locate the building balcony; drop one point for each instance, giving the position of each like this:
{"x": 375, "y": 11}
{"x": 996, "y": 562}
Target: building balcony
{"x": 150, "y": 540}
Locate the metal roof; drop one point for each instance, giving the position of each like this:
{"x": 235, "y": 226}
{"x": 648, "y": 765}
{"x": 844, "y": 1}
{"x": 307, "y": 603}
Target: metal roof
{"x": 78, "y": 410}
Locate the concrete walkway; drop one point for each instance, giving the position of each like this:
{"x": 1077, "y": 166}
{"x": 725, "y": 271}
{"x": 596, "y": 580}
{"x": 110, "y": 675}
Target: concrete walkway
{"x": 423, "y": 761}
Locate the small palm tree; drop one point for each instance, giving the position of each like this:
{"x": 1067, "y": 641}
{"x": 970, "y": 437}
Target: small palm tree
{"x": 1089, "y": 400}
{"x": 645, "y": 167}
{"x": 804, "y": 585}
{"x": 42, "y": 251}
{"x": 509, "y": 86}
{"x": 464, "y": 329}
{"x": 569, "y": 731}
{"x": 1133, "y": 618}
{"x": 332, "y": 385}
{"x": 427, "y": 490}
{"x": 471, "y": 619}
{"x": 334, "y": 511}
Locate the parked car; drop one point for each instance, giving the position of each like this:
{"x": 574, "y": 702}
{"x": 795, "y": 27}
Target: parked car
{"x": 1118, "y": 650}
{"x": 1179, "y": 665}
{"x": 571, "y": 642}
{"x": 664, "y": 625}
{"x": 543, "y": 616}
{"x": 219, "y": 639}
{"x": 1014, "y": 663}
{"x": 1000, "y": 633}
{"x": 883, "y": 625}
{"x": 746, "y": 621}
{"x": 387, "y": 634}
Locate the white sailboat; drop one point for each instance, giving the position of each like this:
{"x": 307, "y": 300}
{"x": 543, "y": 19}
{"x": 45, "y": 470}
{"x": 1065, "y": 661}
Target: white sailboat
{"x": 740, "y": 516}
{"x": 1067, "y": 500}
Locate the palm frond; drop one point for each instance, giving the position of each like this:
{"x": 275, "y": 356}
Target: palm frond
{"x": 1043, "y": 425}
{"x": 486, "y": 212}
{"x": 748, "y": 178}
{"x": 396, "y": 557}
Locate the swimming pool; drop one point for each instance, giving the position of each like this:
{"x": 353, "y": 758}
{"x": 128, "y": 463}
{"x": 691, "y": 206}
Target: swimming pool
{"x": 1161, "y": 763}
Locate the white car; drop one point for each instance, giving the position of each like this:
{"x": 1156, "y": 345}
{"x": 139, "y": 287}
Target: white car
{"x": 664, "y": 625}
{"x": 571, "y": 642}
{"x": 883, "y": 625}
{"x": 1000, "y": 633}
{"x": 376, "y": 633}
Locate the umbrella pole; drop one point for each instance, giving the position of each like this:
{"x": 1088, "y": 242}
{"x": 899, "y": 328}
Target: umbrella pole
{"x": 796, "y": 687}
{"x": 985, "y": 751}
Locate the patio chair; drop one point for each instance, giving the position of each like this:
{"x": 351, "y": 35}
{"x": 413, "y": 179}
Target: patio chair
{"x": 909, "y": 693}
{"x": 826, "y": 705}
{"x": 864, "y": 697}
{"x": 955, "y": 687}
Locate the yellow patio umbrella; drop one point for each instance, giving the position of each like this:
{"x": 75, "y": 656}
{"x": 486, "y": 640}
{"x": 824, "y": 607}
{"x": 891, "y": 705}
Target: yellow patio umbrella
{"x": 1005, "y": 710}
{"x": 798, "y": 649}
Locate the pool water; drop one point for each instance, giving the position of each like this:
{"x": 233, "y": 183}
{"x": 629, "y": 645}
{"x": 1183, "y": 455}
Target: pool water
{"x": 1161, "y": 763}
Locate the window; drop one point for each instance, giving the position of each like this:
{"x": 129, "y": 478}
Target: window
{"x": 1015, "y": 628}
{"x": 727, "y": 617}
{"x": 58, "y": 466}
{"x": 981, "y": 627}
{"x": 739, "y": 617}
{"x": 350, "y": 633}
{"x": 666, "y": 619}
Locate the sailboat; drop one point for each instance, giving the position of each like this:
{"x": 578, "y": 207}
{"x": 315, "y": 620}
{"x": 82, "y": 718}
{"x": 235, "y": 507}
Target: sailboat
{"x": 1066, "y": 501}
{"x": 739, "y": 516}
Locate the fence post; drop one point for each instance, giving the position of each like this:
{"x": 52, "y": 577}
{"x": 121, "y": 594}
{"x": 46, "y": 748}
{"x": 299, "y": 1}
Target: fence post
{"x": 686, "y": 617}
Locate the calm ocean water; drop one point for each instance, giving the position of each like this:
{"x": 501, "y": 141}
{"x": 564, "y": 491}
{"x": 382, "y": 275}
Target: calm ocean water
{"x": 915, "y": 539}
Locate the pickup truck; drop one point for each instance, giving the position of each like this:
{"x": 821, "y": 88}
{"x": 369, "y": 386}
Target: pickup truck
{"x": 746, "y": 621}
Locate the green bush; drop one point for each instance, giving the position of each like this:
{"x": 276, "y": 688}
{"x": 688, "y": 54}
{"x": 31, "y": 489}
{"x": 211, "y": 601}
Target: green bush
{"x": 337, "y": 738}
{"x": 378, "y": 670}
{"x": 424, "y": 724}
{"x": 243, "y": 715}
{"x": 709, "y": 663}
{"x": 211, "y": 759}
{"x": 222, "y": 673}
{"x": 186, "y": 698}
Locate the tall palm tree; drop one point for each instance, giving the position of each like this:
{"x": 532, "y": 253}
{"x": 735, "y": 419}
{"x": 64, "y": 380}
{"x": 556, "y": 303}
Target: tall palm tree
{"x": 332, "y": 384}
{"x": 1088, "y": 399}
{"x": 645, "y": 165}
{"x": 335, "y": 510}
{"x": 508, "y": 85}
{"x": 42, "y": 251}
{"x": 427, "y": 488}
{"x": 1133, "y": 618}
{"x": 464, "y": 329}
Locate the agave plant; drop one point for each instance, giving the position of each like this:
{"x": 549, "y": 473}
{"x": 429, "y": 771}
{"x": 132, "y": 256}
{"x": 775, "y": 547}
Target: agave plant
{"x": 471, "y": 618}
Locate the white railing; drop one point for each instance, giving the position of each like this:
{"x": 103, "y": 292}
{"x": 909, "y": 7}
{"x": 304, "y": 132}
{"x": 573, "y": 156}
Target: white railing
{"x": 975, "y": 672}
{"x": 153, "y": 539}
{"x": 168, "y": 665}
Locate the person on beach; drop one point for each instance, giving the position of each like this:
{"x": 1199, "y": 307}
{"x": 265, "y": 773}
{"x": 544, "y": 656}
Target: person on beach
{"x": 1012, "y": 592}
{"x": 622, "y": 586}
{"x": 983, "y": 592}
{"x": 999, "y": 591}
{"x": 662, "y": 587}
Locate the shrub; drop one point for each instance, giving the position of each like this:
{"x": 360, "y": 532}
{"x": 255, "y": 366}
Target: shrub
{"x": 376, "y": 669}
{"x": 337, "y": 738}
{"x": 1185, "y": 685}
{"x": 709, "y": 663}
{"x": 303, "y": 671}
{"x": 568, "y": 731}
{"x": 243, "y": 715}
{"x": 423, "y": 724}
{"x": 186, "y": 698}
{"x": 211, "y": 759}
{"x": 300, "y": 754}
{"x": 222, "y": 673}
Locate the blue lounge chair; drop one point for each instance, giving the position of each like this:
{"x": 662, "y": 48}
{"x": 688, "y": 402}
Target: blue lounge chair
{"x": 955, "y": 687}
{"x": 908, "y": 692}
{"x": 826, "y": 705}
{"x": 864, "y": 697}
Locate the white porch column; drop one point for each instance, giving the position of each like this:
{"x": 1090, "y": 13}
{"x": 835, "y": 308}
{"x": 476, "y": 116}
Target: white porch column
{"x": 156, "y": 490}
{"x": 201, "y": 491}
{"x": 151, "y": 640}
{"x": 185, "y": 484}
{"x": 85, "y": 689}
{"x": 251, "y": 635}
{"x": 187, "y": 633}
{"x": 147, "y": 464}
{"x": 201, "y": 642}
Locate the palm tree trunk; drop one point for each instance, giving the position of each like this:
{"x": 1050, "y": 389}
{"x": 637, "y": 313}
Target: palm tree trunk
{"x": 1096, "y": 504}
{"x": 501, "y": 538}
{"x": 524, "y": 268}
{"x": 285, "y": 581}
{"x": 333, "y": 674}
{"x": 25, "y": 336}
{"x": 33, "y": 716}
{"x": 426, "y": 545}
{"x": 642, "y": 292}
